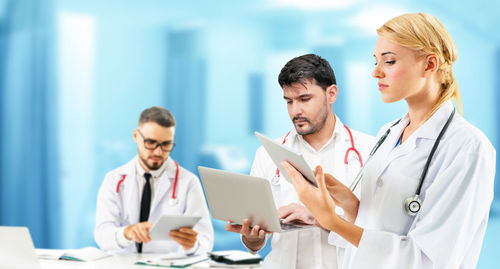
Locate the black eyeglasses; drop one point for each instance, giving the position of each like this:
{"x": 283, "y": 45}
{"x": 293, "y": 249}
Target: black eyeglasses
{"x": 152, "y": 144}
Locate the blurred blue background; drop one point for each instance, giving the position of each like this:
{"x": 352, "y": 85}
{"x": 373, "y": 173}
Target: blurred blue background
{"x": 74, "y": 76}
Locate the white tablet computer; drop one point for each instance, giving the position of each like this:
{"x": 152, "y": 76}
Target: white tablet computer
{"x": 279, "y": 153}
{"x": 166, "y": 223}
{"x": 235, "y": 197}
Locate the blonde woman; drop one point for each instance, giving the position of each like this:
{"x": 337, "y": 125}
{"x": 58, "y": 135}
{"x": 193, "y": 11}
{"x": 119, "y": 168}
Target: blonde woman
{"x": 427, "y": 190}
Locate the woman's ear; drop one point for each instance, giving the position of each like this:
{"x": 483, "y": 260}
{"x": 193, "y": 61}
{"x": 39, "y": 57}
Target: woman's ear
{"x": 431, "y": 64}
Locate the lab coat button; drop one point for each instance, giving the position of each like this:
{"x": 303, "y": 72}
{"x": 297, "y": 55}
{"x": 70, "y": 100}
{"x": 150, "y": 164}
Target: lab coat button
{"x": 380, "y": 183}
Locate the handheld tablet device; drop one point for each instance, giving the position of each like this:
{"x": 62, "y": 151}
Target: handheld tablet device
{"x": 166, "y": 223}
{"x": 279, "y": 153}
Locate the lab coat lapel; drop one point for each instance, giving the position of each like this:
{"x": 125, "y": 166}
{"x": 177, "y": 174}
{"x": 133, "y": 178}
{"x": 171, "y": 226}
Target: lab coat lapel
{"x": 342, "y": 143}
{"x": 401, "y": 150}
{"x": 429, "y": 130}
{"x": 387, "y": 148}
{"x": 131, "y": 192}
{"x": 166, "y": 179}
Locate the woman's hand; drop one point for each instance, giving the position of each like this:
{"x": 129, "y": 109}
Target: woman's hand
{"x": 343, "y": 197}
{"x": 321, "y": 204}
{"x": 317, "y": 200}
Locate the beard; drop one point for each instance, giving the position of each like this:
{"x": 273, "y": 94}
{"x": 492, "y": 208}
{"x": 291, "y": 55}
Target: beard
{"x": 315, "y": 126}
{"x": 151, "y": 165}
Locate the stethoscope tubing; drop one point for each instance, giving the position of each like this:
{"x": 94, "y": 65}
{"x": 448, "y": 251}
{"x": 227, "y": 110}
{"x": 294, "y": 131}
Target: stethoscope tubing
{"x": 173, "y": 198}
{"x": 359, "y": 176}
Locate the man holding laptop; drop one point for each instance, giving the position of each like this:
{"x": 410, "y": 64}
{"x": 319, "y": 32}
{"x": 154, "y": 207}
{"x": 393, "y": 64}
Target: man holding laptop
{"x": 152, "y": 184}
{"x": 310, "y": 90}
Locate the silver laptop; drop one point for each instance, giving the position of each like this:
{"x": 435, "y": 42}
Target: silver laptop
{"x": 17, "y": 249}
{"x": 236, "y": 197}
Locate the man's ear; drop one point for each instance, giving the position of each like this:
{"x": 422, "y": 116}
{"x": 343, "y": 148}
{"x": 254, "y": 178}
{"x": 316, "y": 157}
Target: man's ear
{"x": 431, "y": 65}
{"x": 331, "y": 94}
{"x": 173, "y": 132}
{"x": 134, "y": 135}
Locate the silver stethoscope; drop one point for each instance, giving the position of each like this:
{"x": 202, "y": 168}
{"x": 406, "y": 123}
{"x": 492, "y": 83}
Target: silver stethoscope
{"x": 276, "y": 177}
{"x": 173, "y": 199}
{"x": 412, "y": 204}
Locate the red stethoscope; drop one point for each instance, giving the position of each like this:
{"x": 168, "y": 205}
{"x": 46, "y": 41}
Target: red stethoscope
{"x": 173, "y": 199}
{"x": 352, "y": 148}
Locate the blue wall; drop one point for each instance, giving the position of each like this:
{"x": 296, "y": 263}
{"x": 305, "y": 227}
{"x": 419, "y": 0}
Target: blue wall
{"x": 74, "y": 76}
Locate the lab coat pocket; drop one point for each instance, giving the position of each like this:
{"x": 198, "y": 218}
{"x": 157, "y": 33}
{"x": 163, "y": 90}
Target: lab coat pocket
{"x": 394, "y": 188}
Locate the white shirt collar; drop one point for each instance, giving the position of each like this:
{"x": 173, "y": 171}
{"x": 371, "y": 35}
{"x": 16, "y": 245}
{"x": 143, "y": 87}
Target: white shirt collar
{"x": 155, "y": 173}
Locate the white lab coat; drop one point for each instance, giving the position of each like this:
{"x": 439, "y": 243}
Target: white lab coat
{"x": 309, "y": 248}
{"x": 456, "y": 196}
{"x": 116, "y": 210}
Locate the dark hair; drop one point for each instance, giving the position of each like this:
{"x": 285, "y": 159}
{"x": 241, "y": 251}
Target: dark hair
{"x": 305, "y": 67}
{"x": 158, "y": 115}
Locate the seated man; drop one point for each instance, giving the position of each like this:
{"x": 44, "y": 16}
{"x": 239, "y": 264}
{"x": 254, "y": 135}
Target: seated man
{"x": 136, "y": 194}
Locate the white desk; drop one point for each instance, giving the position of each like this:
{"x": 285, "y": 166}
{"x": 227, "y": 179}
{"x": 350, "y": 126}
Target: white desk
{"x": 112, "y": 262}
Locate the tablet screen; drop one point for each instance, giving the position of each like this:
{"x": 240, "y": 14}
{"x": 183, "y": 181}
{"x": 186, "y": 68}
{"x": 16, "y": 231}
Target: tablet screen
{"x": 166, "y": 223}
{"x": 279, "y": 153}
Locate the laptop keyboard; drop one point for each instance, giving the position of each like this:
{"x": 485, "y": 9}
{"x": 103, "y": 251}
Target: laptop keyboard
{"x": 289, "y": 226}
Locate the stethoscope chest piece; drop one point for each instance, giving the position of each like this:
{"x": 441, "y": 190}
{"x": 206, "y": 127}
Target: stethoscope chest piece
{"x": 172, "y": 201}
{"x": 412, "y": 205}
{"x": 275, "y": 180}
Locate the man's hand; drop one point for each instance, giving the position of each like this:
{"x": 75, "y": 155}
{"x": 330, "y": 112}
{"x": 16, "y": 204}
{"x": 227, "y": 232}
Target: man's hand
{"x": 139, "y": 232}
{"x": 254, "y": 238}
{"x": 186, "y": 237}
{"x": 296, "y": 213}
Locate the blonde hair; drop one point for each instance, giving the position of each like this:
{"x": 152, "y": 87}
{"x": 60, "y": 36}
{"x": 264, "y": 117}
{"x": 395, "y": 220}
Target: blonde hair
{"x": 426, "y": 34}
